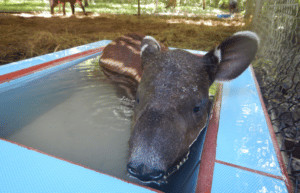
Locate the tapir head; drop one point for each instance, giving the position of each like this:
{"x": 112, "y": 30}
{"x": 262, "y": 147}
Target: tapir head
{"x": 172, "y": 100}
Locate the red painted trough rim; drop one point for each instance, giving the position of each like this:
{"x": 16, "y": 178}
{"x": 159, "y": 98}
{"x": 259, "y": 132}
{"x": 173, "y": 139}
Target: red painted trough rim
{"x": 208, "y": 157}
{"x": 24, "y": 72}
{"x": 285, "y": 176}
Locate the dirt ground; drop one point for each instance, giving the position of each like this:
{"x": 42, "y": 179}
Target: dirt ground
{"x": 25, "y": 35}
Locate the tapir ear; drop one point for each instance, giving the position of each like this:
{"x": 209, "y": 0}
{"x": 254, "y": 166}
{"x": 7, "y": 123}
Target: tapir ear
{"x": 149, "y": 46}
{"x": 232, "y": 56}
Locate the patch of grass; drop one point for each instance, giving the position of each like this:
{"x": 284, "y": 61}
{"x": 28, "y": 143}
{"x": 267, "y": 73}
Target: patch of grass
{"x": 25, "y": 7}
{"x": 28, "y": 37}
{"x": 109, "y": 7}
{"x": 32, "y": 35}
{"x": 213, "y": 89}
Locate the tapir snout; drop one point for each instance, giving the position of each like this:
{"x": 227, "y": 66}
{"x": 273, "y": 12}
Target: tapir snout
{"x": 157, "y": 126}
{"x": 172, "y": 100}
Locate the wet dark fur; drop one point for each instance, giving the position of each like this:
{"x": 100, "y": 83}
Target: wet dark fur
{"x": 172, "y": 98}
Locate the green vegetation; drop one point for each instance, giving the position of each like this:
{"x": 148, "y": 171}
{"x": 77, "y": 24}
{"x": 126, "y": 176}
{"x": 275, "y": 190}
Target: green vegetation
{"x": 22, "y": 6}
{"x": 184, "y": 7}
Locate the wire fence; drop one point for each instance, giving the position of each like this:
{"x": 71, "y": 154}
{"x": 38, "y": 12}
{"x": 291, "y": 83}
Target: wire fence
{"x": 278, "y": 71}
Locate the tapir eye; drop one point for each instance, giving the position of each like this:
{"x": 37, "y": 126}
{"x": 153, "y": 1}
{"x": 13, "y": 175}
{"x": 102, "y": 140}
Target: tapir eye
{"x": 197, "y": 107}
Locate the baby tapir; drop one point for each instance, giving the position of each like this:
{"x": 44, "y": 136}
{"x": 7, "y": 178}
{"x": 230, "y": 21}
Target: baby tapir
{"x": 54, "y": 3}
{"x": 121, "y": 61}
{"x": 172, "y": 100}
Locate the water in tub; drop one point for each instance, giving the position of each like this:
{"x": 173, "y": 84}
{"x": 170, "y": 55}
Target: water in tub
{"x": 75, "y": 114}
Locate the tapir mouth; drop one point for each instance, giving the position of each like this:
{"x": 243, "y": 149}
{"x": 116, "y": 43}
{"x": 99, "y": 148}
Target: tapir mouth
{"x": 163, "y": 178}
{"x": 177, "y": 165}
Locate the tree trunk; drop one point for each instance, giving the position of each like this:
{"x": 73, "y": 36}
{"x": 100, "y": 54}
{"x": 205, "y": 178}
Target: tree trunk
{"x": 217, "y": 3}
{"x": 203, "y": 4}
{"x": 139, "y": 8}
{"x": 248, "y": 9}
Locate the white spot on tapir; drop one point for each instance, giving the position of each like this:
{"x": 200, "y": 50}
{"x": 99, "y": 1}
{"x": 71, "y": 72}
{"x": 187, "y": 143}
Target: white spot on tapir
{"x": 217, "y": 53}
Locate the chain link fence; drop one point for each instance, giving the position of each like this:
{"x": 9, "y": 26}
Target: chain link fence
{"x": 278, "y": 71}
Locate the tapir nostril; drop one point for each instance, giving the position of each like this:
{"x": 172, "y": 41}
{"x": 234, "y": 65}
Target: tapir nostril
{"x": 143, "y": 173}
{"x": 157, "y": 175}
{"x": 132, "y": 170}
